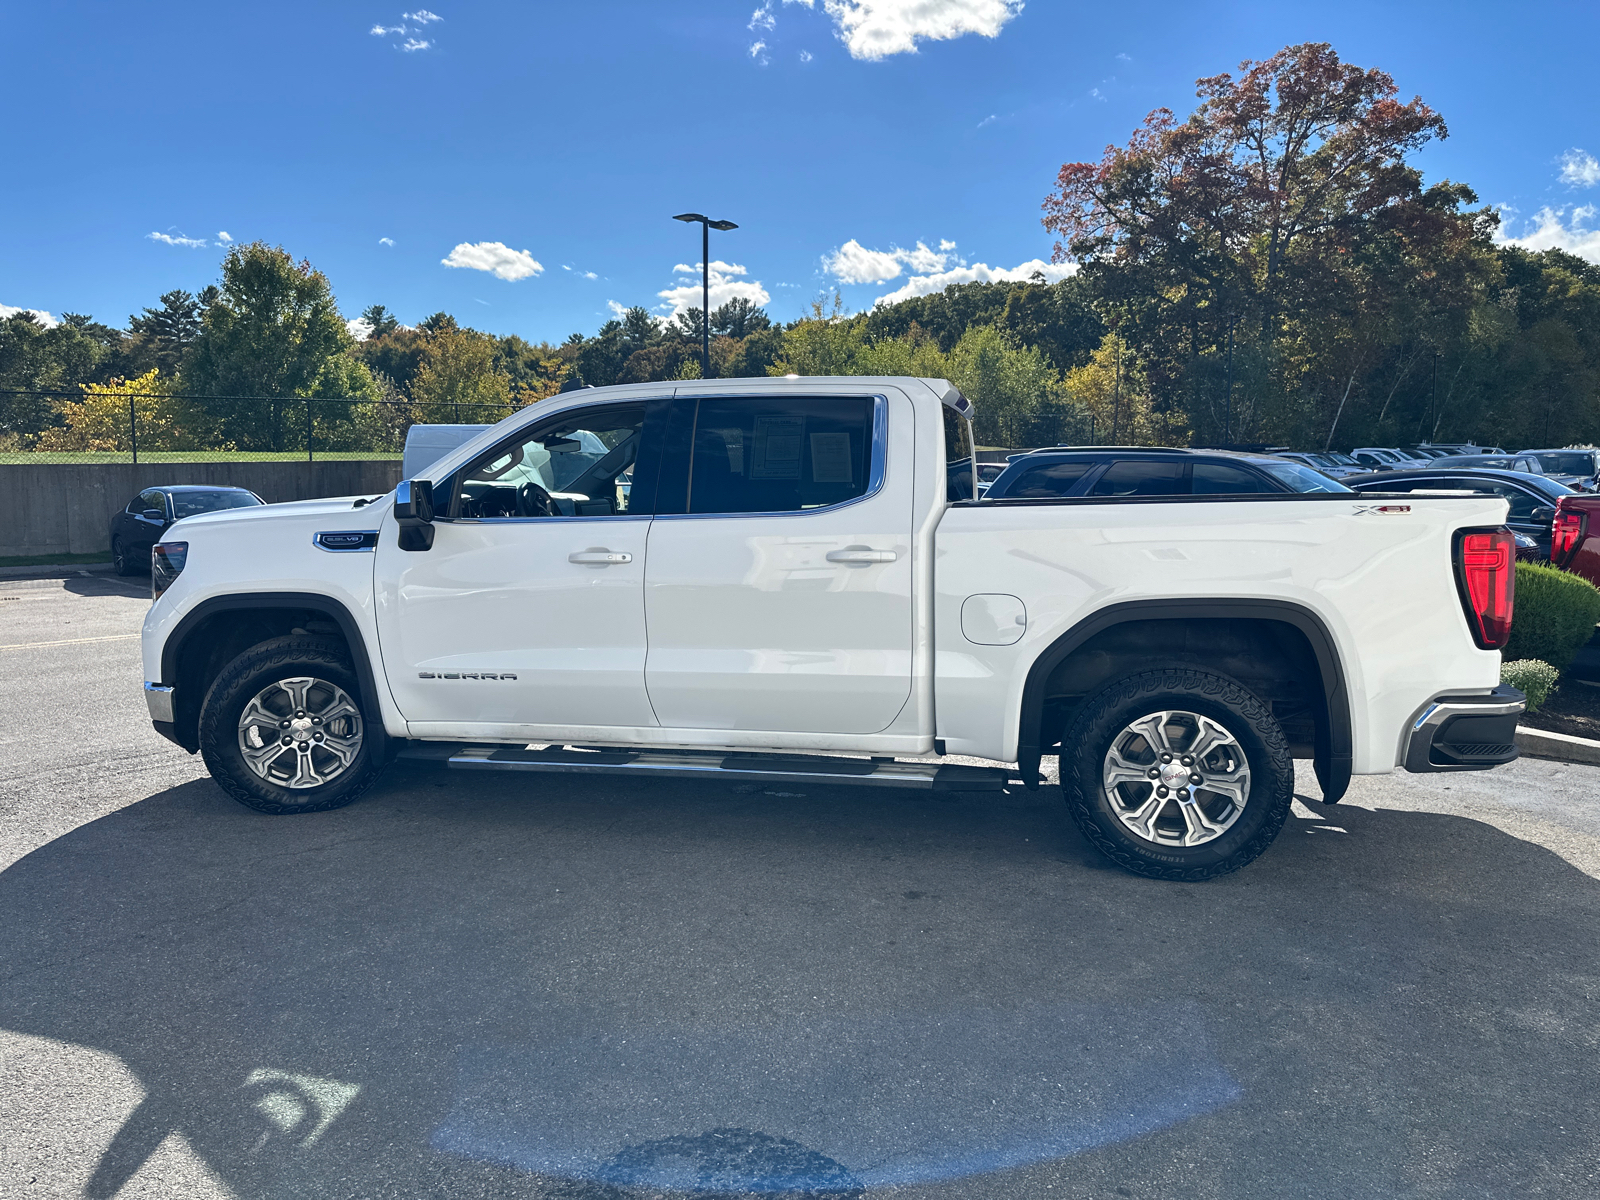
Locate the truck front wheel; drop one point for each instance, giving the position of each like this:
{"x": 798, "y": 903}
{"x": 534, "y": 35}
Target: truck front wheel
{"x": 1177, "y": 774}
{"x": 282, "y": 732}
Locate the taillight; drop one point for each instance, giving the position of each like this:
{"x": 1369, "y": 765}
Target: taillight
{"x": 1486, "y": 578}
{"x": 1566, "y": 535}
{"x": 166, "y": 564}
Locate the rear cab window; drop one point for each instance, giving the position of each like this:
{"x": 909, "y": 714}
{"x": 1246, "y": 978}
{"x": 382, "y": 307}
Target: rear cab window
{"x": 780, "y": 453}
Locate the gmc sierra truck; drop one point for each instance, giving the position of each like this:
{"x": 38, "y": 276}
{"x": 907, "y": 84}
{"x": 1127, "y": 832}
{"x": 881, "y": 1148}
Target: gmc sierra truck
{"x": 783, "y": 579}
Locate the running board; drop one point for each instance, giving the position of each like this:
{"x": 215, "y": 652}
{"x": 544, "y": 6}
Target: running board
{"x": 683, "y": 764}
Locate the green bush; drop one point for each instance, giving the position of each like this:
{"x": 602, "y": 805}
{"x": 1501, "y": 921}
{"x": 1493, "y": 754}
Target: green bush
{"x": 1554, "y": 615}
{"x": 1532, "y": 678}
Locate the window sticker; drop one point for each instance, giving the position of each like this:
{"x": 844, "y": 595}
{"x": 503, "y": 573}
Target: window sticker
{"x": 830, "y": 458}
{"x": 777, "y": 449}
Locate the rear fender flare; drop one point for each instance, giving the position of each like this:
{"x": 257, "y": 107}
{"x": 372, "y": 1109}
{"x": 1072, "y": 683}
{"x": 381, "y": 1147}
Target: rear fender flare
{"x": 1334, "y": 747}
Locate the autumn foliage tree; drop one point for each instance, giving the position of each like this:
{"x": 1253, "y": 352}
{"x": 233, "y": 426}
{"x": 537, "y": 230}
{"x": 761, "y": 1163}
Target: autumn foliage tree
{"x": 1284, "y": 215}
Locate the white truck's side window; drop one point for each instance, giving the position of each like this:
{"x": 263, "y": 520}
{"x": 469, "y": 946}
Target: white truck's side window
{"x": 577, "y": 466}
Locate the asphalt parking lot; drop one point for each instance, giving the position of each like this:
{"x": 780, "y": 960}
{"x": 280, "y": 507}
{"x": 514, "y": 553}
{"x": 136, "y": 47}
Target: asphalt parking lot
{"x": 476, "y": 986}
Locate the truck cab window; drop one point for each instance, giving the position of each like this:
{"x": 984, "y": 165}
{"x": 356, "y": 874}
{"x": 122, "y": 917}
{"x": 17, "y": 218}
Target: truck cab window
{"x": 957, "y": 455}
{"x": 578, "y": 464}
{"x": 779, "y": 454}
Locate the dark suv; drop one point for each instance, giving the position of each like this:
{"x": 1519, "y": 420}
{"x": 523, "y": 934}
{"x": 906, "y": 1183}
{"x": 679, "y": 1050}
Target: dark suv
{"x": 1112, "y": 471}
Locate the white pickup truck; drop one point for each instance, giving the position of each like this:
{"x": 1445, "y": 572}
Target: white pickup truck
{"x": 791, "y": 578}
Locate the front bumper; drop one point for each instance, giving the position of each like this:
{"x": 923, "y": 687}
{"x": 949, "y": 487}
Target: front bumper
{"x": 159, "y": 699}
{"x": 1464, "y": 733}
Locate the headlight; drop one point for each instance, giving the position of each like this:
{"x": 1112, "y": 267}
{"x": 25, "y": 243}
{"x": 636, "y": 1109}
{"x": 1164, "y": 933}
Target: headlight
{"x": 166, "y": 564}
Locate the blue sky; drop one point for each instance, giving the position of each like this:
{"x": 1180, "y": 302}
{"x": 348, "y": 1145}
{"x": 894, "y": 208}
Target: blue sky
{"x": 567, "y": 134}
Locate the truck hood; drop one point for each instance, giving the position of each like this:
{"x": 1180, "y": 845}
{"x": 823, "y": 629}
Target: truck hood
{"x": 297, "y": 508}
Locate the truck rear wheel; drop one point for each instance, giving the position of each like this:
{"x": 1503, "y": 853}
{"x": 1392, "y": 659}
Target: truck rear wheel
{"x": 281, "y": 729}
{"x": 1177, "y": 774}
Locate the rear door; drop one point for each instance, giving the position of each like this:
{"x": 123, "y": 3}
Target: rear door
{"x": 778, "y": 593}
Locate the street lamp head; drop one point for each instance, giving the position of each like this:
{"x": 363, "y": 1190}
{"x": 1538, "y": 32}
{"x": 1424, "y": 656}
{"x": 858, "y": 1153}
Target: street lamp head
{"x": 688, "y": 217}
{"x": 722, "y": 224}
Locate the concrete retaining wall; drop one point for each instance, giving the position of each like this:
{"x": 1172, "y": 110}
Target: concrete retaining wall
{"x": 59, "y": 508}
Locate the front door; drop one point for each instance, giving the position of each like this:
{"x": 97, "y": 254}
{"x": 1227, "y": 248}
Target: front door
{"x": 528, "y": 610}
{"x": 778, "y": 592}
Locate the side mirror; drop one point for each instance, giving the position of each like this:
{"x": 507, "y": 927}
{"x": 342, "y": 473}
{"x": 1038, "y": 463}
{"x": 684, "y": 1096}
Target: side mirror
{"x": 413, "y": 512}
{"x": 1543, "y": 513}
{"x": 155, "y": 514}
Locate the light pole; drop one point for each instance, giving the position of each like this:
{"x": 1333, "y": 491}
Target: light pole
{"x": 706, "y": 226}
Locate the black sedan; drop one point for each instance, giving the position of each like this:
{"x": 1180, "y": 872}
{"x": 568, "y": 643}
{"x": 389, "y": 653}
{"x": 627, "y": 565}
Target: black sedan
{"x": 1532, "y": 497}
{"x": 148, "y": 515}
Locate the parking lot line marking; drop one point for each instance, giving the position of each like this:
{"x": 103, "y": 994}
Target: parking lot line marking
{"x": 115, "y": 637}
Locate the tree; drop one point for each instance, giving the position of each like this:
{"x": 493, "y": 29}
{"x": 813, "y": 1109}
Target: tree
{"x": 158, "y": 338}
{"x": 275, "y": 331}
{"x": 1265, "y": 214}
{"x": 381, "y": 322}
{"x": 102, "y": 419}
{"x": 739, "y": 318}
{"x": 458, "y": 381}
{"x": 35, "y": 358}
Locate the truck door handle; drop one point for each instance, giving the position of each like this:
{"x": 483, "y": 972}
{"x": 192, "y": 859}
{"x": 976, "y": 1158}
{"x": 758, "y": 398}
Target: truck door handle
{"x": 861, "y": 557}
{"x": 600, "y": 558}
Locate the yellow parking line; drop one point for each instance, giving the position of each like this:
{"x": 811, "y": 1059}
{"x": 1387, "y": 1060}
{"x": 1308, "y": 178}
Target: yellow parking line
{"x": 115, "y": 637}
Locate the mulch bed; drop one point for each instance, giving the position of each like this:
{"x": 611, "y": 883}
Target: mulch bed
{"x": 1573, "y": 709}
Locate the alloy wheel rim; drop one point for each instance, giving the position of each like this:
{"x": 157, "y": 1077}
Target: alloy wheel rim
{"x": 300, "y": 733}
{"x": 1176, "y": 778}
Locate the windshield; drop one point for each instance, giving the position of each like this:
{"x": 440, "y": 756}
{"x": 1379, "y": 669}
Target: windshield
{"x": 1566, "y": 462}
{"x": 1302, "y": 479}
{"x": 192, "y": 504}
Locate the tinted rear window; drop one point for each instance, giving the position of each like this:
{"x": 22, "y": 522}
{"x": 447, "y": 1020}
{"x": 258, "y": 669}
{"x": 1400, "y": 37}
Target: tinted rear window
{"x": 1225, "y": 479}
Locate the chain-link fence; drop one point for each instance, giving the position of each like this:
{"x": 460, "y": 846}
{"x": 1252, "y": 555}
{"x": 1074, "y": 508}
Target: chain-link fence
{"x": 113, "y": 425}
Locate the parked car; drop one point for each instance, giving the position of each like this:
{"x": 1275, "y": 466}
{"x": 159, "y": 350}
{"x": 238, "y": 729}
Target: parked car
{"x": 1114, "y": 471}
{"x": 1436, "y": 448}
{"x": 1575, "y": 536}
{"x": 1533, "y": 498}
{"x": 427, "y": 444}
{"x": 1334, "y": 466}
{"x": 1379, "y": 458}
{"x": 1580, "y": 468}
{"x": 146, "y": 518}
{"x": 988, "y": 472}
{"x": 814, "y": 603}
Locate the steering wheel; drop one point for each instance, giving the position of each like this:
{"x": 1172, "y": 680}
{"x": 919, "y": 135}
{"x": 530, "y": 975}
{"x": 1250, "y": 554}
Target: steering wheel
{"x": 534, "y": 501}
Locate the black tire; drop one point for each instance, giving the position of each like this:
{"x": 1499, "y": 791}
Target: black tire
{"x": 257, "y": 672}
{"x": 121, "y": 563}
{"x": 1247, "y": 828}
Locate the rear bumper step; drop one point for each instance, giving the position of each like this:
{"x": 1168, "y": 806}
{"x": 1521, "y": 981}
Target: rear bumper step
{"x": 689, "y": 764}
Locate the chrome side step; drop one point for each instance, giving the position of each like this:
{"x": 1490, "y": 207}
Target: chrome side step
{"x": 689, "y": 764}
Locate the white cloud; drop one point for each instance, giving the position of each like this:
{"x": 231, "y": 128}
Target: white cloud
{"x": 724, "y": 287}
{"x": 1123, "y": 58}
{"x": 989, "y": 120}
{"x": 805, "y": 56}
{"x": 758, "y": 52}
{"x": 360, "y": 328}
{"x": 225, "y": 237}
{"x": 411, "y": 45}
{"x": 762, "y": 19}
{"x": 44, "y": 318}
{"x": 1550, "y": 230}
{"x": 495, "y": 257}
{"x": 854, "y": 263}
{"x": 875, "y": 29}
{"x": 1097, "y": 94}
{"x": 179, "y": 240}
{"x": 385, "y": 241}
{"x": 927, "y": 285}
{"x": 422, "y": 16}
{"x": 617, "y": 310}
{"x": 385, "y": 30}
{"x": 1579, "y": 168}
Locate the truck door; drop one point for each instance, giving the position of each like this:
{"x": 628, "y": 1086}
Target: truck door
{"x": 528, "y": 610}
{"x": 778, "y": 592}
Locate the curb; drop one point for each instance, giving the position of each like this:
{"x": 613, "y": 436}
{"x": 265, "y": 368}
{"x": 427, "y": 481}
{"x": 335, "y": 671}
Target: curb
{"x": 59, "y": 571}
{"x": 1542, "y": 743}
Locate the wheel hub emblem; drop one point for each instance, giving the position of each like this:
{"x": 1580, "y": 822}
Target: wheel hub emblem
{"x": 1175, "y": 775}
